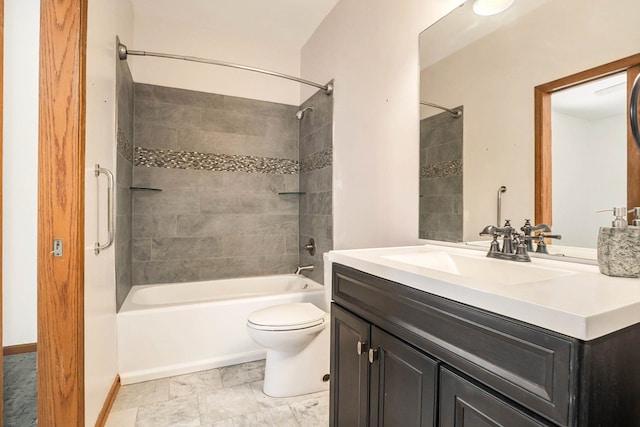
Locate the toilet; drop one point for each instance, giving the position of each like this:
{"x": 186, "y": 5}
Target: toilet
{"x": 296, "y": 337}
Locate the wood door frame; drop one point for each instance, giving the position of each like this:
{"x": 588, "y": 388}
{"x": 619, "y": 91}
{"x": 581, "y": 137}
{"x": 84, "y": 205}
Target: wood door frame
{"x": 542, "y": 95}
{"x": 61, "y": 159}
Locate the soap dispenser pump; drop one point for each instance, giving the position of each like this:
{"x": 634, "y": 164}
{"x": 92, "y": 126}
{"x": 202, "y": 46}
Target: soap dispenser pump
{"x": 636, "y": 214}
{"x": 619, "y": 246}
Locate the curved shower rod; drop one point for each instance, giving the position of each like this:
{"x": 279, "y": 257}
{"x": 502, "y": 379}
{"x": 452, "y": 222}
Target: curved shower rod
{"x": 454, "y": 113}
{"x": 123, "y": 52}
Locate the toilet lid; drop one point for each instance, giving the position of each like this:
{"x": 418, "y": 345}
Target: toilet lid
{"x": 287, "y": 317}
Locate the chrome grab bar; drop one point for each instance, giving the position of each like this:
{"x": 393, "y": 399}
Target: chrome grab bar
{"x": 501, "y": 190}
{"x": 110, "y": 189}
{"x": 633, "y": 111}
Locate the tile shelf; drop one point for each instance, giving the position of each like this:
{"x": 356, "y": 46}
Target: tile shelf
{"x": 144, "y": 189}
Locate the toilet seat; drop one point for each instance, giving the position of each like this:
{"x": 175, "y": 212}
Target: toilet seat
{"x": 287, "y": 317}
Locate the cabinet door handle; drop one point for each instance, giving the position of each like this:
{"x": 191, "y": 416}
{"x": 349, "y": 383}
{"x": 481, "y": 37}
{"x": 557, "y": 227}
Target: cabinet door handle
{"x": 361, "y": 347}
{"x": 373, "y": 355}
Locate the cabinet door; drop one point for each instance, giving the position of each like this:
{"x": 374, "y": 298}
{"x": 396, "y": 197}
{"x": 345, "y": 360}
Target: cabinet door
{"x": 349, "y": 405}
{"x": 403, "y": 383}
{"x": 463, "y": 404}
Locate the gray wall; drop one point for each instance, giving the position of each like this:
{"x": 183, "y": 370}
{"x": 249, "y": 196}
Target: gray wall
{"x": 316, "y": 159}
{"x": 441, "y": 177}
{"x": 220, "y": 162}
{"x": 124, "y": 179}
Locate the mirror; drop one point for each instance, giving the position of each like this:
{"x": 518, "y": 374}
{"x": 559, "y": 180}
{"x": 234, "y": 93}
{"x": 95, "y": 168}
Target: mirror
{"x": 490, "y": 66}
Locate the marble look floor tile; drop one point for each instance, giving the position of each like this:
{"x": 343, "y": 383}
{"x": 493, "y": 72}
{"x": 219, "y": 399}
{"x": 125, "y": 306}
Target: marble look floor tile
{"x": 227, "y": 403}
{"x": 224, "y": 423}
{"x": 198, "y": 382}
{"x": 280, "y": 416}
{"x": 312, "y": 412}
{"x": 124, "y": 418}
{"x": 178, "y": 412}
{"x": 139, "y": 394}
{"x": 20, "y": 384}
{"x": 244, "y": 373}
{"x": 271, "y": 402}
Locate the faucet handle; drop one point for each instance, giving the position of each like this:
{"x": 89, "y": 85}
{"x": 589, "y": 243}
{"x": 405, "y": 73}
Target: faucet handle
{"x": 489, "y": 230}
{"x": 541, "y": 227}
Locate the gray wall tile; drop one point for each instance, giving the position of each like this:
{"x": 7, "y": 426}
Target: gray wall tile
{"x": 221, "y": 224}
{"x": 184, "y": 248}
{"x": 154, "y": 225}
{"x": 316, "y": 210}
{"x": 124, "y": 179}
{"x": 441, "y": 139}
{"x": 167, "y": 115}
{"x": 252, "y": 244}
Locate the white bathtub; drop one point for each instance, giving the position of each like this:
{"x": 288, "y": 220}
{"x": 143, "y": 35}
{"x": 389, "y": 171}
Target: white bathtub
{"x": 173, "y": 329}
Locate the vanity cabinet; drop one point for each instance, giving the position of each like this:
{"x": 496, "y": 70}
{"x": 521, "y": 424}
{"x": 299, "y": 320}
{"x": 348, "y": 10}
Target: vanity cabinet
{"x": 378, "y": 378}
{"x": 404, "y": 357}
{"x": 464, "y": 404}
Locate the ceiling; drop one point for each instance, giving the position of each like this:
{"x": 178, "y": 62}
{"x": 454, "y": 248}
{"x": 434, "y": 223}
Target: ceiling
{"x": 287, "y": 22}
{"x": 601, "y": 98}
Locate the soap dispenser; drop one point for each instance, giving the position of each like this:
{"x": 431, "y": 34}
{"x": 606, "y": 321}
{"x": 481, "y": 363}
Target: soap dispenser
{"x": 619, "y": 246}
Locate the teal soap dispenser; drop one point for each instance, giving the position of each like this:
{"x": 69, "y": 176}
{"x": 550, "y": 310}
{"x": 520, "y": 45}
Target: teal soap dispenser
{"x": 619, "y": 246}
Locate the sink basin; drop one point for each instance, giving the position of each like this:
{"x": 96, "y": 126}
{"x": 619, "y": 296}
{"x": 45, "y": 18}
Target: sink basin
{"x": 480, "y": 268}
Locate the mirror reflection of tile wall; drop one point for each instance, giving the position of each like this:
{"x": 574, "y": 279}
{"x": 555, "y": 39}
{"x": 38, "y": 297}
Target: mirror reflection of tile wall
{"x": 441, "y": 177}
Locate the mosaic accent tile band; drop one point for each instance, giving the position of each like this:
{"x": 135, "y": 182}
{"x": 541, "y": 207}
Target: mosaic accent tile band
{"x": 441, "y": 170}
{"x": 318, "y": 160}
{"x": 151, "y": 157}
{"x": 124, "y": 146}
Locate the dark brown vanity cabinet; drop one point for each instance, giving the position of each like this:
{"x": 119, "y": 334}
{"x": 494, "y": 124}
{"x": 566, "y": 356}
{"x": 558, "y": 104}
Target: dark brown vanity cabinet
{"x": 404, "y": 357}
{"x": 379, "y": 380}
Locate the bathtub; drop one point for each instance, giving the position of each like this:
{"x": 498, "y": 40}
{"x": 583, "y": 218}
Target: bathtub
{"x": 172, "y": 329}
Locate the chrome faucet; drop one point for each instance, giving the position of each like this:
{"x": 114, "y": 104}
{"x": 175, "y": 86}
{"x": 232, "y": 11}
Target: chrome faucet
{"x": 527, "y": 229}
{"x": 510, "y": 237}
{"x": 304, "y": 267}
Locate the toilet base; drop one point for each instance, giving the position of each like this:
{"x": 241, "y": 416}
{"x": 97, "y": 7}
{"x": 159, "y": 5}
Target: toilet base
{"x": 292, "y": 374}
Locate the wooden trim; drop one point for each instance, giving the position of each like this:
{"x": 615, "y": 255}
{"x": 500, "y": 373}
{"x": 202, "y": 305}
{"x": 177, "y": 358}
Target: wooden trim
{"x": 19, "y": 349}
{"x": 108, "y": 402}
{"x": 542, "y": 126}
{"x": 61, "y": 159}
{"x": 543, "y": 199}
{"x": 591, "y": 74}
{"x": 633, "y": 154}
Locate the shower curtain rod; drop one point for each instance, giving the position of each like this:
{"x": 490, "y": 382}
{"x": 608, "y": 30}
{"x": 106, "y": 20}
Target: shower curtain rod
{"x": 123, "y": 52}
{"x": 454, "y": 113}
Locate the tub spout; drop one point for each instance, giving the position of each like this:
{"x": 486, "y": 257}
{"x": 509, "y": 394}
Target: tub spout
{"x": 304, "y": 267}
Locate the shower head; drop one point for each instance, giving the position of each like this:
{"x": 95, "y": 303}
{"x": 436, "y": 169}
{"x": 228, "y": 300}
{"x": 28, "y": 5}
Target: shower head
{"x": 300, "y": 113}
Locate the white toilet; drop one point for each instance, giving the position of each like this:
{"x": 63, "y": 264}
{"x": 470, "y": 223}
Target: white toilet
{"x": 296, "y": 337}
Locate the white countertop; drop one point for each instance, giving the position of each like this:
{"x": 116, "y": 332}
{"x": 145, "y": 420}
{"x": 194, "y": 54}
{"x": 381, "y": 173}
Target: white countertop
{"x": 583, "y": 303}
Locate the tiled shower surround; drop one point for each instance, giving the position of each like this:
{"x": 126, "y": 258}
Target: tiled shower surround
{"x": 124, "y": 180}
{"x": 316, "y": 216}
{"x": 441, "y": 177}
{"x": 220, "y": 163}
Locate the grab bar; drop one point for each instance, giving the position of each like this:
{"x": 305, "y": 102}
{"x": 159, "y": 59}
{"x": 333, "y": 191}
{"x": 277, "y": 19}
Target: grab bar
{"x": 111, "y": 185}
{"x": 633, "y": 111}
{"x": 501, "y": 190}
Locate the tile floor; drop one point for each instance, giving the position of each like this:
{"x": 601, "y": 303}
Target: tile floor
{"x": 19, "y": 395}
{"x": 223, "y": 397}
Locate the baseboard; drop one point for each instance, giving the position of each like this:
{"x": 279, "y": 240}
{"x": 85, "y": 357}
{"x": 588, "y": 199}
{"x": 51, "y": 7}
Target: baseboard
{"x": 108, "y": 402}
{"x": 19, "y": 349}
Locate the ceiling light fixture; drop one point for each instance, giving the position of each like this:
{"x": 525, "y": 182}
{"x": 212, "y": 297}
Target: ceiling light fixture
{"x": 491, "y": 7}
